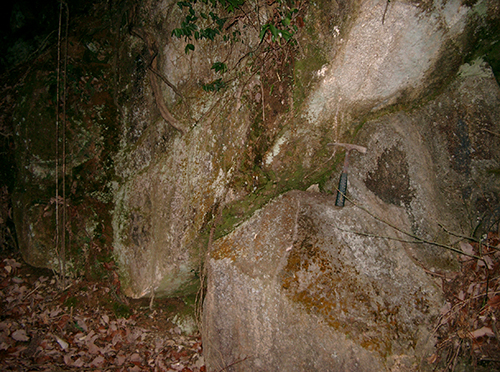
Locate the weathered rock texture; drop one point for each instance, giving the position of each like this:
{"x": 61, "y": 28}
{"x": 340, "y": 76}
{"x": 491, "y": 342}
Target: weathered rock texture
{"x": 91, "y": 130}
{"x": 301, "y": 261}
{"x": 438, "y": 161}
{"x": 296, "y": 288}
{"x": 149, "y": 195}
{"x": 167, "y": 156}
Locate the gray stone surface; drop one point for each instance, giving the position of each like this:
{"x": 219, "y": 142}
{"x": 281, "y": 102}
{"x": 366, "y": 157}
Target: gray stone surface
{"x": 164, "y": 198}
{"x": 297, "y": 288}
{"x": 151, "y": 192}
{"x": 346, "y": 285}
{"x": 379, "y": 64}
{"x": 437, "y": 162}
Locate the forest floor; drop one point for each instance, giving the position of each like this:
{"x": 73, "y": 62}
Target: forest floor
{"x": 87, "y": 327}
{"x": 467, "y": 333}
{"x": 91, "y": 327}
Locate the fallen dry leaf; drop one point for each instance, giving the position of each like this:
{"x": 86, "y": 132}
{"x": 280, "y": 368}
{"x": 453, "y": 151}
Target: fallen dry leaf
{"x": 484, "y": 331}
{"x": 97, "y": 362}
{"x": 120, "y": 359}
{"x": 20, "y": 335}
{"x": 135, "y": 358}
{"x": 88, "y": 335}
{"x": 494, "y": 302}
{"x": 63, "y": 344}
{"x": 466, "y": 248}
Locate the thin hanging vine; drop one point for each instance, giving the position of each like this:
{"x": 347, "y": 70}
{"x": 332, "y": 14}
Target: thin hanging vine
{"x": 61, "y": 215}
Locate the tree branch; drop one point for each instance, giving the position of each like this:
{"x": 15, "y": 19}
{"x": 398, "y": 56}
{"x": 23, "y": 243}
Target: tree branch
{"x": 153, "y": 74}
{"x": 165, "y": 113}
{"x": 417, "y": 238}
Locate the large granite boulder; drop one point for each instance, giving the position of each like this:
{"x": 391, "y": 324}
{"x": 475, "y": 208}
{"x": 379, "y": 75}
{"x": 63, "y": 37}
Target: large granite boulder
{"x": 305, "y": 285}
{"x": 299, "y": 287}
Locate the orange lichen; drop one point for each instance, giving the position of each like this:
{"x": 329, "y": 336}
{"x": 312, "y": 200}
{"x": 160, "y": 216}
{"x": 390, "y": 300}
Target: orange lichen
{"x": 333, "y": 290}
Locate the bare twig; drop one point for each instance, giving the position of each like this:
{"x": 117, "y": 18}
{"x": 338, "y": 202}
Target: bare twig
{"x": 65, "y": 208}
{"x": 470, "y": 238}
{"x": 234, "y": 363}
{"x": 152, "y": 298}
{"x": 494, "y": 327}
{"x": 153, "y": 69}
{"x": 417, "y": 238}
{"x": 43, "y": 44}
{"x": 31, "y": 292}
{"x": 385, "y": 10}
{"x": 262, "y": 94}
{"x": 153, "y": 74}
{"x": 12, "y": 238}
{"x": 491, "y": 132}
{"x": 165, "y": 80}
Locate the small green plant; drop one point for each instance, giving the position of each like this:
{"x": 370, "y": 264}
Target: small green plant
{"x": 206, "y": 20}
{"x": 121, "y": 310}
{"x": 77, "y": 326}
{"x": 214, "y": 86}
{"x": 189, "y": 26}
{"x": 219, "y": 67}
{"x": 284, "y": 30}
{"x": 71, "y": 302}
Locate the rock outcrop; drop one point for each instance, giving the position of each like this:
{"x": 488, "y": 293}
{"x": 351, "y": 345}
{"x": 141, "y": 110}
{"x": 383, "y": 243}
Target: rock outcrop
{"x": 168, "y": 152}
{"x": 172, "y": 150}
{"x": 347, "y": 286}
{"x": 304, "y": 285}
{"x": 299, "y": 287}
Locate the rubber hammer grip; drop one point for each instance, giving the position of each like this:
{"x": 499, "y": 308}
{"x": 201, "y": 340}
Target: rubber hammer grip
{"x": 339, "y": 202}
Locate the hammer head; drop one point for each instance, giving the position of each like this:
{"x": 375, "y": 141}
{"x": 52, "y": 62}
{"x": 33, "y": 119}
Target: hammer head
{"x": 349, "y": 147}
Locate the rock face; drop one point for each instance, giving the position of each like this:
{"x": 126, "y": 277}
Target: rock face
{"x": 332, "y": 282}
{"x": 170, "y": 153}
{"x": 345, "y": 286}
{"x": 438, "y": 161}
{"x": 91, "y": 133}
{"x": 297, "y": 288}
{"x": 388, "y": 55}
{"x": 162, "y": 143}
{"x": 304, "y": 285}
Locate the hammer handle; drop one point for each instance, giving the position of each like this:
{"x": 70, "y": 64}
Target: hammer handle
{"x": 339, "y": 202}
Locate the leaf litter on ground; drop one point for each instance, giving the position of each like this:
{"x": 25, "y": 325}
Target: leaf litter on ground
{"x": 468, "y": 329}
{"x": 40, "y": 332}
{"x": 45, "y": 329}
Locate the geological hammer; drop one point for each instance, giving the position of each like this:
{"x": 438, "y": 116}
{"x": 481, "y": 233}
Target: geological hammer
{"x": 342, "y": 189}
